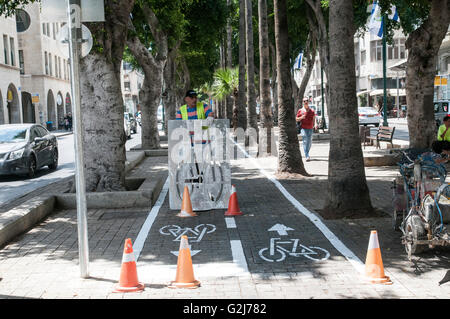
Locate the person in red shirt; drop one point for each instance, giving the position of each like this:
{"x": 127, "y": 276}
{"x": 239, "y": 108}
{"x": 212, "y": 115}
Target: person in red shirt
{"x": 307, "y": 117}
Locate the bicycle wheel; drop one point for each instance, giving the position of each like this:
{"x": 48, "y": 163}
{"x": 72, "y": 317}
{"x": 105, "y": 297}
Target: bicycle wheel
{"x": 213, "y": 181}
{"x": 278, "y": 255}
{"x": 414, "y": 230}
{"x": 186, "y": 174}
{"x": 209, "y": 228}
{"x": 316, "y": 253}
{"x": 169, "y": 230}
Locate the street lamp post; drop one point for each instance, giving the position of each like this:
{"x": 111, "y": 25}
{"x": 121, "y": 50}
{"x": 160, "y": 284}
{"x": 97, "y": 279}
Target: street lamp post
{"x": 322, "y": 99}
{"x": 385, "y": 122}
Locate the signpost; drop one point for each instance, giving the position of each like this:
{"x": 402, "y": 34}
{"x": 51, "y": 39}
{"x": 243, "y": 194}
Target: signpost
{"x": 75, "y": 12}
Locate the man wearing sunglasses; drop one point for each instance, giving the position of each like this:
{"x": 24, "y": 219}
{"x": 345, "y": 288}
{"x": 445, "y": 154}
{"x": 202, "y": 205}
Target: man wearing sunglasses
{"x": 193, "y": 110}
{"x": 307, "y": 117}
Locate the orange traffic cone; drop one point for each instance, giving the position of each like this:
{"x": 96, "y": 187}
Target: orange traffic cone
{"x": 185, "y": 271}
{"x": 186, "y": 205}
{"x": 128, "y": 274}
{"x": 374, "y": 263}
{"x": 233, "y": 206}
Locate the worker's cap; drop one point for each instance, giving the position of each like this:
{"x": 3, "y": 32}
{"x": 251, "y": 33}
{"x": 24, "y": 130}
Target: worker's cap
{"x": 191, "y": 93}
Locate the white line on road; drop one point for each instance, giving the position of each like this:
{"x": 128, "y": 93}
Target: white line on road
{"x": 230, "y": 222}
{"x": 336, "y": 242}
{"x": 145, "y": 229}
{"x": 236, "y": 250}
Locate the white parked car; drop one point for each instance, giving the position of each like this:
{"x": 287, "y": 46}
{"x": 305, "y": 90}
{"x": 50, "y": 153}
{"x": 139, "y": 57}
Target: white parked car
{"x": 159, "y": 114}
{"x": 127, "y": 128}
{"x": 368, "y": 116}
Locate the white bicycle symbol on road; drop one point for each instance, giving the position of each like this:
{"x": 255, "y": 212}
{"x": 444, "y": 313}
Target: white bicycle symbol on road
{"x": 276, "y": 252}
{"x": 196, "y": 233}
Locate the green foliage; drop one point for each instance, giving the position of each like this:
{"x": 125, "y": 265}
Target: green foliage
{"x": 203, "y": 32}
{"x": 8, "y": 7}
{"x": 226, "y": 80}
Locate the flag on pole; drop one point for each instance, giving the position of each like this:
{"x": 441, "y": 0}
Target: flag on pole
{"x": 298, "y": 61}
{"x": 376, "y": 22}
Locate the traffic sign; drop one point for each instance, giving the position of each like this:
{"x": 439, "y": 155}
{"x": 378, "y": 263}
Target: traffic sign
{"x": 35, "y": 98}
{"x": 63, "y": 41}
{"x": 56, "y": 11}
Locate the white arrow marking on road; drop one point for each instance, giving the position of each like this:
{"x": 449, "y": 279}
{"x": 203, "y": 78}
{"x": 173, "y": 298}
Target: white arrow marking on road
{"x": 193, "y": 252}
{"x": 281, "y": 229}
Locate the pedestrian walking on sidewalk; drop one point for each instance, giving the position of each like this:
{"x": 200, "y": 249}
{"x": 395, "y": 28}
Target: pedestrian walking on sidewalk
{"x": 444, "y": 130}
{"x": 307, "y": 117}
{"x": 69, "y": 119}
{"x": 66, "y": 122}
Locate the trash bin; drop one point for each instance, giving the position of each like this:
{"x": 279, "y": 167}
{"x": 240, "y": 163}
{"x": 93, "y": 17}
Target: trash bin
{"x": 50, "y": 125}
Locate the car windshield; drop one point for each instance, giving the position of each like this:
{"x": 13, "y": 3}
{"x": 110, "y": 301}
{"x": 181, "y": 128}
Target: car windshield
{"x": 12, "y": 135}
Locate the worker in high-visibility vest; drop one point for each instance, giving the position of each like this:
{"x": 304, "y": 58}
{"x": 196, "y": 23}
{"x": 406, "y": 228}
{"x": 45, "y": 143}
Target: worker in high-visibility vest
{"x": 194, "y": 110}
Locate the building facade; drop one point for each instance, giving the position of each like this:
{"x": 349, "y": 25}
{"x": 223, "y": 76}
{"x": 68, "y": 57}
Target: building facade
{"x": 369, "y": 73}
{"x": 46, "y": 95}
{"x": 10, "y": 87}
{"x": 34, "y": 73}
{"x": 131, "y": 83}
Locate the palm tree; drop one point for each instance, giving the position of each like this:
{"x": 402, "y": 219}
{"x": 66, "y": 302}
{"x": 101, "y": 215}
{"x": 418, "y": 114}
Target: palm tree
{"x": 251, "y": 94}
{"x": 226, "y": 83}
{"x": 240, "y": 107}
{"x": 348, "y": 193}
{"x": 264, "y": 73}
{"x": 289, "y": 156}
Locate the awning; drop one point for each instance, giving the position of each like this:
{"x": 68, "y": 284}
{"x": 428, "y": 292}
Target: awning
{"x": 392, "y": 92}
{"x": 399, "y": 66}
{"x": 362, "y": 92}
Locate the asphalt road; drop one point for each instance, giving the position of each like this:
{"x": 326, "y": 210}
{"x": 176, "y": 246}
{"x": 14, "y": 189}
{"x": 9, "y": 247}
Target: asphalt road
{"x": 13, "y": 187}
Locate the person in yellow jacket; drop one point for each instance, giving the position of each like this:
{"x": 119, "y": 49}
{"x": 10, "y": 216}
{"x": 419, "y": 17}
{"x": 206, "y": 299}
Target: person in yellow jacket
{"x": 193, "y": 110}
{"x": 444, "y": 130}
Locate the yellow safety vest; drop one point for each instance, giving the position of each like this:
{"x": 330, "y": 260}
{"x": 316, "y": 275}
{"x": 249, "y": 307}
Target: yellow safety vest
{"x": 200, "y": 112}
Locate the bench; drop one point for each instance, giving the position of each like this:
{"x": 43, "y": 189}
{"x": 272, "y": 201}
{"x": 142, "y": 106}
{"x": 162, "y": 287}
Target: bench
{"x": 384, "y": 134}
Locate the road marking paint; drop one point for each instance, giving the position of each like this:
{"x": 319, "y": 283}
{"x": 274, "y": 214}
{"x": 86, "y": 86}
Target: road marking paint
{"x": 230, "y": 222}
{"x": 238, "y": 256}
{"x": 237, "y": 251}
{"x": 336, "y": 242}
{"x": 145, "y": 229}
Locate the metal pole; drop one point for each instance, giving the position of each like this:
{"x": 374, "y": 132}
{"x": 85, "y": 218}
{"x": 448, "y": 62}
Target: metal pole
{"x": 385, "y": 122}
{"x": 398, "y": 98}
{"x": 75, "y": 39}
{"x": 322, "y": 99}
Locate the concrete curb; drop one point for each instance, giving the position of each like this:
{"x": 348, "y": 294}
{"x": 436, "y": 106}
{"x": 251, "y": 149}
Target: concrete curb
{"x": 23, "y": 217}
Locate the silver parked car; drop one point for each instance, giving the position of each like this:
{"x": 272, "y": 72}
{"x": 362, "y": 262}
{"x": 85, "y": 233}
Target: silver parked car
{"x": 24, "y": 148}
{"x": 368, "y": 116}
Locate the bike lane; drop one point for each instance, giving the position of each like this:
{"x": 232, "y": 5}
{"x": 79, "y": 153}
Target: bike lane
{"x": 209, "y": 236}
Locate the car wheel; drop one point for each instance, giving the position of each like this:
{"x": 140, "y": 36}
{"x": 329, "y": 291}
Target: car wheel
{"x": 54, "y": 163}
{"x": 32, "y": 166}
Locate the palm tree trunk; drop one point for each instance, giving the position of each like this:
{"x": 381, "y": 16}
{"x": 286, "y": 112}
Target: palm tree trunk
{"x": 423, "y": 45}
{"x": 289, "y": 156}
{"x": 251, "y": 91}
{"x": 229, "y": 99}
{"x": 241, "y": 111}
{"x": 348, "y": 194}
{"x": 264, "y": 75}
{"x": 274, "y": 84}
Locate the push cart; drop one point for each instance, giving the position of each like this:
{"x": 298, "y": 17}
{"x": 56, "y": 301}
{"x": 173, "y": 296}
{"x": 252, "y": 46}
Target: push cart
{"x": 421, "y": 200}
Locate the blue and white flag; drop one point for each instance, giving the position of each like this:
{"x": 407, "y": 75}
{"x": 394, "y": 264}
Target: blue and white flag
{"x": 376, "y": 21}
{"x": 298, "y": 61}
